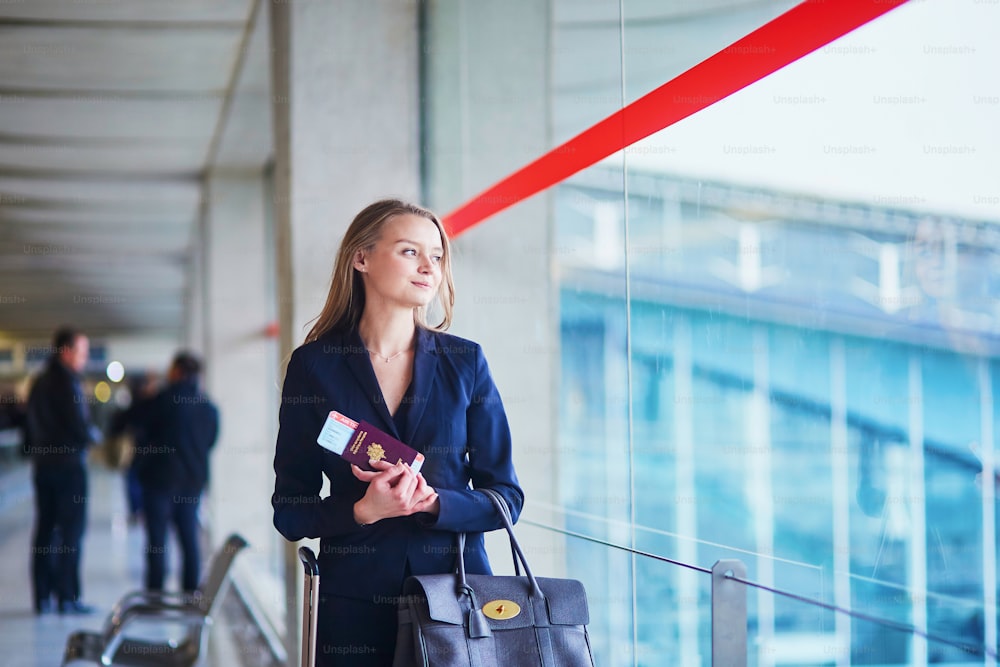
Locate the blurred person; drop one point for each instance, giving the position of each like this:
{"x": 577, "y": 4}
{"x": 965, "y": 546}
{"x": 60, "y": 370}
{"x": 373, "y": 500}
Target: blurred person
{"x": 132, "y": 421}
{"x": 180, "y": 425}
{"x": 13, "y": 420}
{"x": 59, "y": 432}
{"x": 371, "y": 356}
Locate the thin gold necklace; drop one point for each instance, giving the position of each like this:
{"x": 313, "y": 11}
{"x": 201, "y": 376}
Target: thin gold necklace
{"x": 387, "y": 359}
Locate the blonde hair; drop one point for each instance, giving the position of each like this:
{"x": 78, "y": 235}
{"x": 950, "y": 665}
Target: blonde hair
{"x": 345, "y": 301}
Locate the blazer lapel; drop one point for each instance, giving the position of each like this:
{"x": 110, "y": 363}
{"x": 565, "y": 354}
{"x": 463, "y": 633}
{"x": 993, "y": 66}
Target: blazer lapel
{"x": 425, "y": 361}
{"x": 361, "y": 367}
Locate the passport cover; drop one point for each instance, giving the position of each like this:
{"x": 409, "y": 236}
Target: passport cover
{"x": 371, "y": 443}
{"x": 361, "y": 442}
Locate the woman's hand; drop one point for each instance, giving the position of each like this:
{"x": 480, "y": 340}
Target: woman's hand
{"x": 393, "y": 490}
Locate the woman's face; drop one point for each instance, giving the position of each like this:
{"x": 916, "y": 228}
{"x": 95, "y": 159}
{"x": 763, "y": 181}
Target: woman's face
{"x": 404, "y": 267}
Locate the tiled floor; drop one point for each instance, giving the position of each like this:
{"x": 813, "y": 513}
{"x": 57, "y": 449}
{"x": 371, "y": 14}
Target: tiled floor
{"x": 112, "y": 566}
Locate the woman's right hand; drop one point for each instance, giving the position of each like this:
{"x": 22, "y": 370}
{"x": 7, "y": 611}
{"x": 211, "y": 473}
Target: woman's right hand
{"x": 393, "y": 490}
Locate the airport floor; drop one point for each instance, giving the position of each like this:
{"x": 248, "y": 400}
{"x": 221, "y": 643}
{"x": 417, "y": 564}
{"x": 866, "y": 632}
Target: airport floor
{"x": 112, "y": 566}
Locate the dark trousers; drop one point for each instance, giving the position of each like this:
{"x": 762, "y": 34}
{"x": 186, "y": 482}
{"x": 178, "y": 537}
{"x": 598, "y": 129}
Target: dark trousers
{"x": 133, "y": 491}
{"x": 60, "y": 520}
{"x": 355, "y": 633}
{"x": 161, "y": 509}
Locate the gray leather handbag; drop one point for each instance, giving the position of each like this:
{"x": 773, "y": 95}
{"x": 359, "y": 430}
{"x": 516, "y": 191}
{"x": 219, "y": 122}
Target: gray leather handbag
{"x": 459, "y": 620}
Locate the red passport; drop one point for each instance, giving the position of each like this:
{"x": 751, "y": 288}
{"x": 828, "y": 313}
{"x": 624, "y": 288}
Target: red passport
{"x": 359, "y": 443}
{"x": 370, "y": 443}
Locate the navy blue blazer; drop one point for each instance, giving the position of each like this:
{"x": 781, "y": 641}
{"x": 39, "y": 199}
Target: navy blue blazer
{"x": 455, "y": 418}
{"x": 180, "y": 427}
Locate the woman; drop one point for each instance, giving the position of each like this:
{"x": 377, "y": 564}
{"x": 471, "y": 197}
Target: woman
{"x": 371, "y": 356}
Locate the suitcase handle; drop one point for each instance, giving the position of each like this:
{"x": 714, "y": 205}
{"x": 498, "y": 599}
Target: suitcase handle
{"x": 309, "y": 561}
{"x": 310, "y": 602}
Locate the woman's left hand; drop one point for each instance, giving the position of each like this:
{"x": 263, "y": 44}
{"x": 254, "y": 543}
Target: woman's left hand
{"x": 420, "y": 496}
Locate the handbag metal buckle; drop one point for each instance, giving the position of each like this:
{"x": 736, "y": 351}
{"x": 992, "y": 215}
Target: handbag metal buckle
{"x": 501, "y": 610}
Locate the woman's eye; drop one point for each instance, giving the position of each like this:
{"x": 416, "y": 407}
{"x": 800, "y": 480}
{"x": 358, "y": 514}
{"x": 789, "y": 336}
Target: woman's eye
{"x": 409, "y": 251}
{"x": 436, "y": 258}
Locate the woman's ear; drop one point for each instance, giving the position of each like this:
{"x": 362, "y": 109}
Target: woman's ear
{"x": 359, "y": 261}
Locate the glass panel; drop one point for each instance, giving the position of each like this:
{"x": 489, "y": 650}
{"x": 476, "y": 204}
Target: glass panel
{"x": 586, "y": 65}
{"x": 675, "y": 628}
{"x": 802, "y": 383}
{"x": 803, "y": 502}
{"x": 594, "y": 447}
{"x": 951, "y": 409}
{"x": 664, "y": 39}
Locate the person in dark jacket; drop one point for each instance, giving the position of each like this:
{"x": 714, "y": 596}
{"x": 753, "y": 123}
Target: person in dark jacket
{"x": 133, "y": 421}
{"x": 173, "y": 469}
{"x": 59, "y": 432}
{"x": 371, "y": 356}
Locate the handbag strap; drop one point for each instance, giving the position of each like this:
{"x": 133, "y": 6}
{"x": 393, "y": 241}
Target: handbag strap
{"x": 504, "y": 509}
{"x": 477, "y": 624}
{"x": 501, "y": 506}
{"x": 460, "y": 538}
{"x": 517, "y": 553}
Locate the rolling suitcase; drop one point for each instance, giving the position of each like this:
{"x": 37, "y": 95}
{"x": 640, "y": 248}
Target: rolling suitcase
{"x": 310, "y": 601}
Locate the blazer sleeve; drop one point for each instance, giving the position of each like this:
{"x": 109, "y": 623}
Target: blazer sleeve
{"x": 490, "y": 462}
{"x": 299, "y": 511}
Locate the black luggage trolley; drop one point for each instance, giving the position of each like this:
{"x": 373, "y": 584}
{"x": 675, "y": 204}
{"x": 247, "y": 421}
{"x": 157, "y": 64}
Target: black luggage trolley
{"x": 310, "y": 601}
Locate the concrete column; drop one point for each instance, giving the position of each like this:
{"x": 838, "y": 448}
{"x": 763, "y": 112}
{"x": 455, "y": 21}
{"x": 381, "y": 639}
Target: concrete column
{"x": 346, "y": 114}
{"x": 194, "y": 334}
{"x": 486, "y": 106}
{"x": 345, "y": 84}
{"x": 241, "y": 360}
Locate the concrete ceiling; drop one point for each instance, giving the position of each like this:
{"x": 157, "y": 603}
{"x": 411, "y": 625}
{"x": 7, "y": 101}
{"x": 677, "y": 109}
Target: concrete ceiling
{"x": 110, "y": 116}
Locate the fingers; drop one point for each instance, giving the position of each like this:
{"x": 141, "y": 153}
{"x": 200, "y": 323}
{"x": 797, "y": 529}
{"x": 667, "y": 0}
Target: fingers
{"x": 427, "y": 504}
{"x": 405, "y": 484}
{"x": 424, "y": 496}
{"x": 422, "y": 490}
{"x": 381, "y": 468}
{"x": 363, "y": 475}
{"x": 422, "y": 485}
{"x": 396, "y": 490}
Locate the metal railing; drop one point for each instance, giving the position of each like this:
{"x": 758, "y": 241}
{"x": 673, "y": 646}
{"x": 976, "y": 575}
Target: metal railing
{"x": 729, "y": 604}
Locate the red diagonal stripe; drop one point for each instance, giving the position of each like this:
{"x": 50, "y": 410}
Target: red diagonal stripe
{"x": 796, "y": 33}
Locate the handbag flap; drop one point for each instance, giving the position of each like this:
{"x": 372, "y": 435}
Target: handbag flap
{"x": 566, "y": 599}
{"x": 439, "y": 591}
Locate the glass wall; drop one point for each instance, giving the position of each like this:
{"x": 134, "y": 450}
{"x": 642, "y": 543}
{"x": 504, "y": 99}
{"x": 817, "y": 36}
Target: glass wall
{"x": 778, "y": 331}
{"x": 817, "y": 500}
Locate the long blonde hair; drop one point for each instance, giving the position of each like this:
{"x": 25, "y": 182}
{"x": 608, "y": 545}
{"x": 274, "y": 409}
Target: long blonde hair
{"x": 346, "y": 300}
